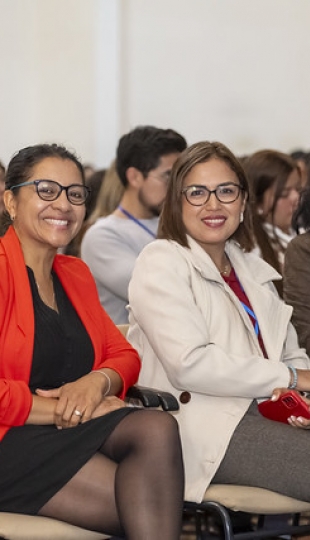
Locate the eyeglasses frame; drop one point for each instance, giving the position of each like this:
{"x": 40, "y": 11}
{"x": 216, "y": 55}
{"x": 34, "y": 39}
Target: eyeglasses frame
{"x": 62, "y": 188}
{"x": 210, "y": 191}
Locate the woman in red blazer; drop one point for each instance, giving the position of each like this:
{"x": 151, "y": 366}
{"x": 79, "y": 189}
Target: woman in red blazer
{"x": 70, "y": 448}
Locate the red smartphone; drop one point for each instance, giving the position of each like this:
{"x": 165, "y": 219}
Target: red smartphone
{"x": 289, "y": 404}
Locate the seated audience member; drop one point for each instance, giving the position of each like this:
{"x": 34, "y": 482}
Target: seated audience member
{"x": 296, "y": 275}
{"x": 211, "y": 329}
{"x": 95, "y": 183}
{"x": 275, "y": 183}
{"x": 89, "y": 170}
{"x": 2, "y": 184}
{"x": 70, "y": 448}
{"x": 110, "y": 247}
{"x": 303, "y": 160}
{"x": 109, "y": 197}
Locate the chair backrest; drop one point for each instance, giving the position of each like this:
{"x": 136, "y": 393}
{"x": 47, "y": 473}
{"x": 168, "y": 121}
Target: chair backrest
{"x": 123, "y": 328}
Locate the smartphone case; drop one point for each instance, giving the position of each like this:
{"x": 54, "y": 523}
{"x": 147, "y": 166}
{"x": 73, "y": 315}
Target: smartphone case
{"x": 289, "y": 404}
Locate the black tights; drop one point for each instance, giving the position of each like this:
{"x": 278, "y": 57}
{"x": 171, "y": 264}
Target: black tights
{"x": 133, "y": 486}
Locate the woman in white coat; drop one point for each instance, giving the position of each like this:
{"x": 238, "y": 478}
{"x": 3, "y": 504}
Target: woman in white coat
{"x": 210, "y": 328}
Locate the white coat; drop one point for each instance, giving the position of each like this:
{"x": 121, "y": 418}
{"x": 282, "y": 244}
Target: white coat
{"x": 197, "y": 342}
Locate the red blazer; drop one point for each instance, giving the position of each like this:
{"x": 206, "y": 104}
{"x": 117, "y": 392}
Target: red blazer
{"x": 17, "y": 328}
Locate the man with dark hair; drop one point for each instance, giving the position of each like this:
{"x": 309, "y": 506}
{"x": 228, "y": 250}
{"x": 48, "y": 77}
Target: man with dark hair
{"x": 144, "y": 160}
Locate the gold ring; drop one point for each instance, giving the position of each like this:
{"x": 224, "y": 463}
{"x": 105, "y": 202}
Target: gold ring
{"x": 77, "y": 412}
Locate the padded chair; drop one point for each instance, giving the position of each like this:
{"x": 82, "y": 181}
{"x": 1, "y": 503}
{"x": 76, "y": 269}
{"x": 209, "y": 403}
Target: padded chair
{"x": 220, "y": 500}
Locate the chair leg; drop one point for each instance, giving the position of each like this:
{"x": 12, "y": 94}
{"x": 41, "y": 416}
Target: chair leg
{"x": 200, "y": 511}
{"x": 198, "y": 525}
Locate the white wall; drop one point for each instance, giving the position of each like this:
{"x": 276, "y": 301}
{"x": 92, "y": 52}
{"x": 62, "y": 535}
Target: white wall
{"x": 236, "y": 71}
{"x": 82, "y": 72}
{"x": 59, "y": 75}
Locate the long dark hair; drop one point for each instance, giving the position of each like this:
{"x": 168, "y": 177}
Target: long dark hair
{"x": 267, "y": 168}
{"x": 301, "y": 218}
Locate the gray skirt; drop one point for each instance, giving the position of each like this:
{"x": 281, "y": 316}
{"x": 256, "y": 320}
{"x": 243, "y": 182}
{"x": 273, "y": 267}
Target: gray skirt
{"x": 268, "y": 454}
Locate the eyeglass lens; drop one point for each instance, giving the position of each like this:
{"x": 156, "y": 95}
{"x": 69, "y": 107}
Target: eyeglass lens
{"x": 49, "y": 190}
{"x": 199, "y": 195}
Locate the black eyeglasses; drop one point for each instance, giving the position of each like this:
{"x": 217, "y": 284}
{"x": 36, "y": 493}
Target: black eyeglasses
{"x": 225, "y": 193}
{"x": 49, "y": 190}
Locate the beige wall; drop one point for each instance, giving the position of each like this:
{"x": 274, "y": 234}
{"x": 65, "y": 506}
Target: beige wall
{"x": 82, "y": 72}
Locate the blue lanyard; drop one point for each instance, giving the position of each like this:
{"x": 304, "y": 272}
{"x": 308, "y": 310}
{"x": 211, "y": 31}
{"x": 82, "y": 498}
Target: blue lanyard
{"x": 137, "y": 221}
{"x": 249, "y": 311}
{"x": 252, "y": 314}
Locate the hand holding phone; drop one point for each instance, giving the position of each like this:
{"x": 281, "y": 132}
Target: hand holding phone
{"x": 289, "y": 404}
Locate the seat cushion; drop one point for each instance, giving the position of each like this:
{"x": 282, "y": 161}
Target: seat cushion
{"x": 254, "y": 500}
{"x": 21, "y": 527}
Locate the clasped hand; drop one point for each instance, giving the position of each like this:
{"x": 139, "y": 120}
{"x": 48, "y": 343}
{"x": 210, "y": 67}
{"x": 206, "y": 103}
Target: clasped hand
{"x": 83, "y": 396}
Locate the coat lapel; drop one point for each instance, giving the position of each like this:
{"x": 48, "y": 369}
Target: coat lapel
{"x": 256, "y": 277}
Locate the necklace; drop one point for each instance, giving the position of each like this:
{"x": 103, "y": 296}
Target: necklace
{"x": 226, "y": 268}
{"x": 53, "y": 304}
{"x": 136, "y": 220}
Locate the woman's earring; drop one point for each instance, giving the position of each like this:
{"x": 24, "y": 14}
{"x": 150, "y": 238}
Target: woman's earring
{"x": 260, "y": 211}
{"x": 12, "y": 218}
{"x": 241, "y": 217}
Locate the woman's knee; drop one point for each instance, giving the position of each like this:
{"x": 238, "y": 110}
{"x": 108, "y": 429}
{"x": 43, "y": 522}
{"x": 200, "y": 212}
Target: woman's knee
{"x": 146, "y": 431}
{"x": 161, "y": 435}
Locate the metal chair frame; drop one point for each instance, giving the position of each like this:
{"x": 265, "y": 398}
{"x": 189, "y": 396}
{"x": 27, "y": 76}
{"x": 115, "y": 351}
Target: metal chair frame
{"x": 203, "y": 510}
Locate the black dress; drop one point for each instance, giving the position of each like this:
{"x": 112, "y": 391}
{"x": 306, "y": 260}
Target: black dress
{"x": 36, "y": 461}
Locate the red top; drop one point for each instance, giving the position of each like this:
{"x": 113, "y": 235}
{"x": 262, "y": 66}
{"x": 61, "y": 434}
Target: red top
{"x": 111, "y": 349}
{"x": 235, "y": 285}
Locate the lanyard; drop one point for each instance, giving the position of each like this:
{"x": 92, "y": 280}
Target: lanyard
{"x": 252, "y": 314}
{"x": 137, "y": 221}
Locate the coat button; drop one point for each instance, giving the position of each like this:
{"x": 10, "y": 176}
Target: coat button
{"x": 185, "y": 397}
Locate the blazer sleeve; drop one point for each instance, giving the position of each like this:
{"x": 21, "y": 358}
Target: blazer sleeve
{"x": 118, "y": 354}
{"x": 111, "y": 348}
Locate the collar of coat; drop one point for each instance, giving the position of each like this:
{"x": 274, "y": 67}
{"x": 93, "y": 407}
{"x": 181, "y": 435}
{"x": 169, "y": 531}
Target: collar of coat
{"x": 245, "y": 264}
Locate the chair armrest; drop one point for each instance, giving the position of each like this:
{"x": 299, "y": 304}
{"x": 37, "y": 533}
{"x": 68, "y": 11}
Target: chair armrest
{"x": 167, "y": 401}
{"x": 146, "y": 396}
{"x": 149, "y": 397}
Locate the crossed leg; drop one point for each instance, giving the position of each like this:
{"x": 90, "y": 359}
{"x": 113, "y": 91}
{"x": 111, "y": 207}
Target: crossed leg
{"x": 133, "y": 486}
